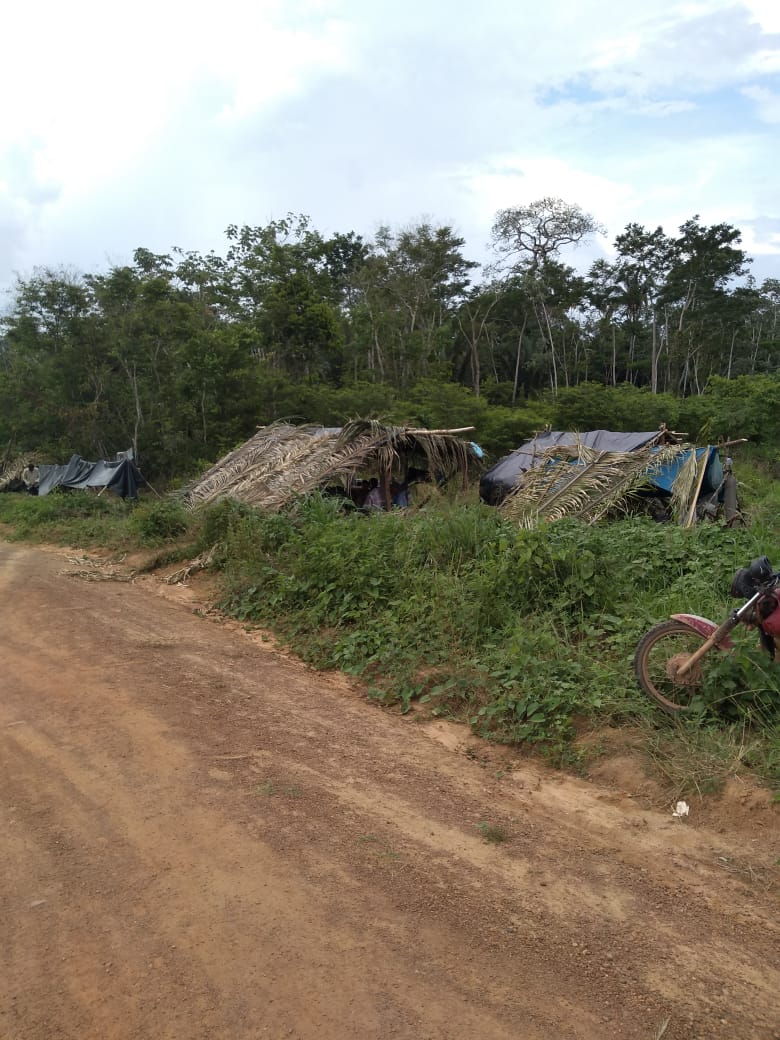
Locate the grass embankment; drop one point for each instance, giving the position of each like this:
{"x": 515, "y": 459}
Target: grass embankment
{"x": 527, "y": 635}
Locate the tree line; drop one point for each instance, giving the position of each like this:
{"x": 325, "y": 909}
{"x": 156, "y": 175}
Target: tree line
{"x": 182, "y": 355}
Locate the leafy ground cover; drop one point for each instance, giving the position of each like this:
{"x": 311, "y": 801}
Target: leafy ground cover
{"x": 451, "y": 610}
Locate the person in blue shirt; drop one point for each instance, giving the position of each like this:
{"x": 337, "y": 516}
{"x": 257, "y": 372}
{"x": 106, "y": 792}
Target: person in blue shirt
{"x": 399, "y": 494}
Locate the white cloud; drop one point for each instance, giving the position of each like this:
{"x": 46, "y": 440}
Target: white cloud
{"x": 767, "y": 103}
{"x": 717, "y": 178}
{"x": 520, "y": 180}
{"x": 162, "y": 122}
{"x": 765, "y": 13}
{"x": 756, "y": 243}
{"x": 97, "y": 88}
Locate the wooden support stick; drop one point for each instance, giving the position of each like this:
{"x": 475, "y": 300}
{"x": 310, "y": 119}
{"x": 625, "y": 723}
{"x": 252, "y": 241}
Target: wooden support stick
{"x": 729, "y": 444}
{"x": 460, "y": 429}
{"x": 704, "y": 463}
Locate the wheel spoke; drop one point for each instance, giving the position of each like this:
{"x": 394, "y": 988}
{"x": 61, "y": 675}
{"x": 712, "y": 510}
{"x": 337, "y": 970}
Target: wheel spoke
{"x": 659, "y": 657}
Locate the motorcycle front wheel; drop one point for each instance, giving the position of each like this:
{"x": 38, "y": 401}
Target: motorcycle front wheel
{"x": 659, "y": 655}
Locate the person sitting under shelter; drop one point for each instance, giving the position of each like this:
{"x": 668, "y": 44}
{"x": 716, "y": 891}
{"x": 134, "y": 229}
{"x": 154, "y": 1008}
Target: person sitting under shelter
{"x": 375, "y": 499}
{"x": 399, "y": 494}
{"x": 30, "y": 478}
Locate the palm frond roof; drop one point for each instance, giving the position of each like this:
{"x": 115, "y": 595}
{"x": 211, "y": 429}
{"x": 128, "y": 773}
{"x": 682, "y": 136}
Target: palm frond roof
{"x": 595, "y": 474}
{"x": 283, "y": 461}
{"x": 577, "y": 480}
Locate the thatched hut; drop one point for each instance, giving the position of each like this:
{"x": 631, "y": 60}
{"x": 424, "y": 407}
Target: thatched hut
{"x": 282, "y": 461}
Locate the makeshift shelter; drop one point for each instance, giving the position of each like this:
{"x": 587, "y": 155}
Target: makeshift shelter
{"x": 591, "y": 474}
{"x": 120, "y": 475}
{"x": 499, "y": 480}
{"x": 283, "y": 461}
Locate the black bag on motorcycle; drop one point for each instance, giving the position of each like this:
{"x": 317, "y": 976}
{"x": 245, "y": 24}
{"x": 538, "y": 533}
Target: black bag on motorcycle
{"x": 747, "y": 580}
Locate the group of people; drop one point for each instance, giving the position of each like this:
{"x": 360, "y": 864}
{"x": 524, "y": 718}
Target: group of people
{"x": 376, "y": 500}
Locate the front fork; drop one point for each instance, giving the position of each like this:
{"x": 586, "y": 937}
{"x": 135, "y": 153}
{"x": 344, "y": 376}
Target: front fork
{"x": 716, "y": 635}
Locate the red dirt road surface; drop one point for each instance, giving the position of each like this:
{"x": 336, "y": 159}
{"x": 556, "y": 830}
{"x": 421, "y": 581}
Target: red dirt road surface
{"x": 202, "y": 838}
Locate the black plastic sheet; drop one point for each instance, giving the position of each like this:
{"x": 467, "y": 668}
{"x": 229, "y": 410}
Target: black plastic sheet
{"x": 122, "y": 476}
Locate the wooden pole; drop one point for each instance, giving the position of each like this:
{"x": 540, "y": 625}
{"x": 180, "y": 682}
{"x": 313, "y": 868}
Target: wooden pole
{"x": 729, "y": 444}
{"x": 460, "y": 429}
{"x": 704, "y": 463}
{"x": 386, "y": 489}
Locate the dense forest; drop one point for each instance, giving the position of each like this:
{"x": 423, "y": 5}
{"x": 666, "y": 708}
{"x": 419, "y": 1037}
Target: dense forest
{"x": 182, "y": 355}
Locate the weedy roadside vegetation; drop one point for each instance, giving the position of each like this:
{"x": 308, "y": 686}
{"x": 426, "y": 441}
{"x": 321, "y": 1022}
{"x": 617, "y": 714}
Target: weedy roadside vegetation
{"x": 81, "y": 520}
{"x": 527, "y": 636}
{"x": 88, "y": 520}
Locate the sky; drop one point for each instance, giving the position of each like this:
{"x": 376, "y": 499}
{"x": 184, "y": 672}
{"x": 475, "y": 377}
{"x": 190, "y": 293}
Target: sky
{"x": 159, "y": 123}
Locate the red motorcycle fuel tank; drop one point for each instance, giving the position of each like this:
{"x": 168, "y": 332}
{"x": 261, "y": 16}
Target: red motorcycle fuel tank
{"x": 771, "y": 623}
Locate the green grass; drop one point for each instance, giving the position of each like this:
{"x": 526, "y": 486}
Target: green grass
{"x": 698, "y": 758}
{"x": 80, "y": 519}
{"x": 87, "y": 520}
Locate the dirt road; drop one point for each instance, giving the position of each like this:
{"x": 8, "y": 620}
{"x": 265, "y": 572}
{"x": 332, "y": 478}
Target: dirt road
{"x": 203, "y": 839}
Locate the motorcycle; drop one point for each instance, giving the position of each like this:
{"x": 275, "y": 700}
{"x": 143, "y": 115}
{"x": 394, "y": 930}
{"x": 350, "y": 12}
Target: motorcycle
{"x": 670, "y": 659}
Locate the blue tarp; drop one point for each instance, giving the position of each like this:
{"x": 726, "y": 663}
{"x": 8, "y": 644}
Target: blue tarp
{"x": 666, "y": 475}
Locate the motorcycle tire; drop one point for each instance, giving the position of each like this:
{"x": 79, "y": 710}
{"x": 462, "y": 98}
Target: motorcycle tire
{"x": 659, "y": 652}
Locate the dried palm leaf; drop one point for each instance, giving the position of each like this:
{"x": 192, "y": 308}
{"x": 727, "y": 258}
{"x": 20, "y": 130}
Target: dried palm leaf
{"x": 635, "y": 472}
{"x": 685, "y": 484}
{"x": 579, "y": 481}
{"x": 282, "y": 461}
{"x": 11, "y": 467}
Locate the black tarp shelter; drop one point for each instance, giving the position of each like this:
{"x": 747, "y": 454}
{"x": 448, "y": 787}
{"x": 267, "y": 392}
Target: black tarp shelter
{"x": 121, "y": 476}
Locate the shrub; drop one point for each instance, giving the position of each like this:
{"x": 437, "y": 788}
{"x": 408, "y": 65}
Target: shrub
{"x": 79, "y": 518}
{"x": 162, "y": 520}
